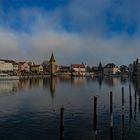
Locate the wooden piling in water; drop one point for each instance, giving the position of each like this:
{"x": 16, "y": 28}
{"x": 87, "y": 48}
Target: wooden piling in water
{"x": 130, "y": 107}
{"x": 130, "y": 96}
{"x": 123, "y": 97}
{"x": 95, "y": 117}
{"x": 122, "y": 113}
{"x": 135, "y": 107}
{"x": 130, "y": 99}
{"x": 139, "y": 101}
{"x": 62, "y": 123}
{"x": 111, "y": 116}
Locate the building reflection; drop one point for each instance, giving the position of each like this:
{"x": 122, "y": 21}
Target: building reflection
{"x": 110, "y": 81}
{"x": 9, "y": 87}
{"x": 53, "y": 81}
{"x": 46, "y": 82}
{"x": 78, "y": 81}
{"x": 49, "y": 83}
{"x": 24, "y": 84}
{"x": 36, "y": 83}
{"x": 65, "y": 79}
{"x": 123, "y": 80}
{"x": 100, "y": 81}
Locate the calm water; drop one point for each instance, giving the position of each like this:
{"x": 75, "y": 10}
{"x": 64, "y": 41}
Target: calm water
{"x": 30, "y": 109}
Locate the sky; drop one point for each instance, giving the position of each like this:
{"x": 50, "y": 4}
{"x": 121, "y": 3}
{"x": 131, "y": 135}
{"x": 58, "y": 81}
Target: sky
{"x": 75, "y": 31}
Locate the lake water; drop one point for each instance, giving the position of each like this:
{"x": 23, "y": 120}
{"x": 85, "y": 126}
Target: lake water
{"x": 30, "y": 109}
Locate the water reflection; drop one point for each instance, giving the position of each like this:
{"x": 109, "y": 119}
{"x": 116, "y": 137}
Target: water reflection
{"x": 123, "y": 80}
{"x": 111, "y": 81}
{"x": 78, "y": 81}
{"x": 100, "y": 80}
{"x": 52, "y": 83}
{"x": 8, "y": 87}
{"x": 37, "y": 112}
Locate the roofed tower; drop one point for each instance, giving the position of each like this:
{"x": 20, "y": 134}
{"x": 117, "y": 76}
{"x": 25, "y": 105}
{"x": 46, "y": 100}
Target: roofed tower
{"x": 52, "y": 59}
{"x": 53, "y": 67}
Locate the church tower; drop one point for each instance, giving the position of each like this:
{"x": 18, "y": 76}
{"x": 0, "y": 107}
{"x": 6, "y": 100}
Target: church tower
{"x": 52, "y": 65}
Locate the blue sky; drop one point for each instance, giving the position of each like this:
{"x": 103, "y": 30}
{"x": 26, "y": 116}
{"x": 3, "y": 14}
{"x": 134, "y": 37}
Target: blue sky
{"x": 76, "y": 31}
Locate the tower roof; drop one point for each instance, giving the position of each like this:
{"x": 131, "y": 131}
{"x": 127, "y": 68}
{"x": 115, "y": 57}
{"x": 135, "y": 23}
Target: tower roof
{"x": 52, "y": 59}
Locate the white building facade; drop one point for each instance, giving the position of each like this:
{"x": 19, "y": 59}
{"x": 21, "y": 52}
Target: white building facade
{"x": 6, "y": 66}
{"x": 78, "y": 69}
{"x": 111, "y": 69}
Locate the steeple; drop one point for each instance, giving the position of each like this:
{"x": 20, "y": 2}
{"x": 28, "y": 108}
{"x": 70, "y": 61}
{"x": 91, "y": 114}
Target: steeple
{"x": 100, "y": 67}
{"x": 52, "y": 59}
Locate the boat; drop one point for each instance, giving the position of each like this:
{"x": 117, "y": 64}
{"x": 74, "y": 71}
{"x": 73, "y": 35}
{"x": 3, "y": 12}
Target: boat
{"x": 4, "y": 76}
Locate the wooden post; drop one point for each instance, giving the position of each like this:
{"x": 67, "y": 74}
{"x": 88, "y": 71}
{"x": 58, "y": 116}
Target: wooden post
{"x": 95, "y": 117}
{"x": 135, "y": 107}
{"x": 62, "y": 123}
{"x": 139, "y": 102}
{"x": 130, "y": 101}
{"x": 130, "y": 107}
{"x": 122, "y": 113}
{"x": 111, "y": 116}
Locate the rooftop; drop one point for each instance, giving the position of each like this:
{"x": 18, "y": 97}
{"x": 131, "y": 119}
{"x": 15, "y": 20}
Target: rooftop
{"x": 78, "y": 66}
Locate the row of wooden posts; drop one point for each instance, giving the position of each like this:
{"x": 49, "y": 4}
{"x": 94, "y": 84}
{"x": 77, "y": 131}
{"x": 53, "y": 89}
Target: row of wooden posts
{"x": 111, "y": 115}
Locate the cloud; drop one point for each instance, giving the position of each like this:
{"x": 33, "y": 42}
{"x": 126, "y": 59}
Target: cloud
{"x": 105, "y": 17}
{"x": 88, "y": 31}
{"x": 9, "y": 44}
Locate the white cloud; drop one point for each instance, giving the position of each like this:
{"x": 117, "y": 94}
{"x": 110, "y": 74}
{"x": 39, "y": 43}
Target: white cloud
{"x": 46, "y": 34}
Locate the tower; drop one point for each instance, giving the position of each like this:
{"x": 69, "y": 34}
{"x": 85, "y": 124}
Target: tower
{"x": 52, "y": 65}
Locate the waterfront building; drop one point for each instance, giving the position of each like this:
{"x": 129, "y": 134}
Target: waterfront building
{"x": 23, "y": 67}
{"x": 64, "y": 69}
{"x": 6, "y": 66}
{"x": 78, "y": 69}
{"x": 15, "y": 68}
{"x": 124, "y": 70}
{"x": 38, "y": 69}
{"x": 111, "y": 69}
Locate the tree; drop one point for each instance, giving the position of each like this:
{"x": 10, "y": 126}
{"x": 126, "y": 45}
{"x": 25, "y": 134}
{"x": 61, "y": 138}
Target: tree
{"x": 45, "y": 65}
{"x": 88, "y": 68}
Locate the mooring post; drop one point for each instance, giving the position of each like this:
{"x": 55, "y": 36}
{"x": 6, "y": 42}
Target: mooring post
{"x": 138, "y": 101}
{"x": 111, "y": 116}
{"x": 95, "y": 117}
{"x": 135, "y": 107}
{"x": 122, "y": 113}
{"x": 62, "y": 123}
{"x": 123, "y": 98}
{"x": 130, "y": 101}
{"x": 130, "y": 95}
{"x": 130, "y": 107}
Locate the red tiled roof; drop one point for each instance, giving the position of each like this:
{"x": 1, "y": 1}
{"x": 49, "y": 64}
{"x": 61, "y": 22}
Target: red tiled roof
{"x": 78, "y": 66}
